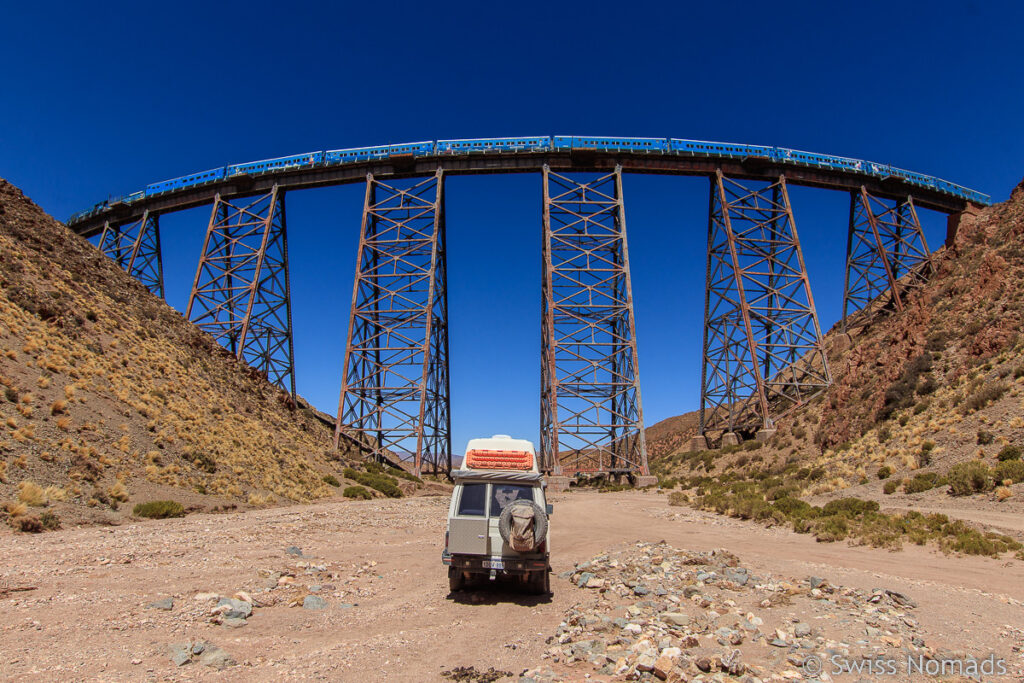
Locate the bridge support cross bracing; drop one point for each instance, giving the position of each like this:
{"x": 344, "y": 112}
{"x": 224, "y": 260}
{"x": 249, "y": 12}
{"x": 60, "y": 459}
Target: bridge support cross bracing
{"x": 591, "y": 414}
{"x": 762, "y": 349}
{"x": 395, "y": 391}
{"x": 886, "y": 252}
{"x": 135, "y": 247}
{"x": 242, "y": 294}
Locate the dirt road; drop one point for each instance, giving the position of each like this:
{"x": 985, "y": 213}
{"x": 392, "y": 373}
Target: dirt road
{"x": 389, "y": 615}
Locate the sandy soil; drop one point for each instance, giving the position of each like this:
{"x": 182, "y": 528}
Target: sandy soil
{"x": 389, "y": 615}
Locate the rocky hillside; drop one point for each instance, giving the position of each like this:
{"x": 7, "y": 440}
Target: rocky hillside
{"x": 671, "y": 435}
{"x": 111, "y": 398}
{"x": 925, "y": 402}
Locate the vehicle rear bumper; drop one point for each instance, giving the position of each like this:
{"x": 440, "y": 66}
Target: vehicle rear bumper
{"x": 512, "y": 565}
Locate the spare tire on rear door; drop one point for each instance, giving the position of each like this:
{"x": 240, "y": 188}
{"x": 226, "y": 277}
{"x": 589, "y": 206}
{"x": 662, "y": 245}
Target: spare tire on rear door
{"x": 523, "y": 525}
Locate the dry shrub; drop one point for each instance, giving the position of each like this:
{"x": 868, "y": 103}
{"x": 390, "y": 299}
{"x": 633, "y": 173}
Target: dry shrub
{"x": 1003, "y": 493}
{"x": 58, "y": 407}
{"x": 261, "y": 498}
{"x": 27, "y": 524}
{"x": 55, "y": 493}
{"x": 15, "y": 509}
{"x": 31, "y": 494}
{"x": 118, "y": 492}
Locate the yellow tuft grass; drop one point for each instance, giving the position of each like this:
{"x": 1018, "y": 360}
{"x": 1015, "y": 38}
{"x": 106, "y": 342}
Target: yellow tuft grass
{"x": 118, "y": 492}
{"x": 15, "y": 509}
{"x": 55, "y": 493}
{"x": 261, "y": 498}
{"x": 32, "y": 494}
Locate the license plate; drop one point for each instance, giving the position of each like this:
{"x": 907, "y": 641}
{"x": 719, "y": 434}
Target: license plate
{"x": 494, "y": 564}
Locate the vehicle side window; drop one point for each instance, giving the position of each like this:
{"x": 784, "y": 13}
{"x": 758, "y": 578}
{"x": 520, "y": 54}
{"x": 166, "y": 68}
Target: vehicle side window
{"x": 473, "y": 499}
{"x": 504, "y": 494}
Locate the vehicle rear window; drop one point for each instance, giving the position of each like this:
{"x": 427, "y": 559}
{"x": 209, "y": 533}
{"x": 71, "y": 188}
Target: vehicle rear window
{"x": 473, "y": 499}
{"x": 505, "y": 494}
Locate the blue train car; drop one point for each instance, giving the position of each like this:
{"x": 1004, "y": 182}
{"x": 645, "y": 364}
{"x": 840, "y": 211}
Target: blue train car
{"x": 280, "y": 163}
{"x": 157, "y": 188}
{"x": 880, "y": 170}
{"x": 961, "y": 191}
{"x": 820, "y": 160}
{"x": 469, "y": 146}
{"x": 611, "y": 144}
{"x": 561, "y": 143}
{"x": 344, "y": 156}
{"x": 79, "y": 215}
{"x": 703, "y": 148}
{"x": 186, "y": 181}
{"x": 416, "y": 149}
{"x": 910, "y": 176}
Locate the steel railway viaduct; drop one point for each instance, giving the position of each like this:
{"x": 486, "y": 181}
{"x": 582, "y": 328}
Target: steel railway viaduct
{"x": 762, "y": 346}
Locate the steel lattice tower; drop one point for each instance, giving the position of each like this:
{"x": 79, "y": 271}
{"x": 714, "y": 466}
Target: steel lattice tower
{"x": 591, "y": 415}
{"x": 395, "y": 394}
{"x": 241, "y": 294}
{"x": 762, "y": 342}
{"x": 886, "y": 251}
{"x": 135, "y": 247}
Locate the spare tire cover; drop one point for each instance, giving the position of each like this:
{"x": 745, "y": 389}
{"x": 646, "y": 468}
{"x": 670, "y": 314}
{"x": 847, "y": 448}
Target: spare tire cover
{"x": 518, "y": 515}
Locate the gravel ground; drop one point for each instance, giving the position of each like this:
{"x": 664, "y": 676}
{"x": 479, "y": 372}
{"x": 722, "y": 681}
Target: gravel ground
{"x": 356, "y": 591}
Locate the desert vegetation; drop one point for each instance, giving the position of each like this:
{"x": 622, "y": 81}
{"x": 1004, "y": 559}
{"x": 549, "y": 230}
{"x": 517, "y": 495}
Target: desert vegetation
{"x": 110, "y": 396}
{"x": 925, "y": 402}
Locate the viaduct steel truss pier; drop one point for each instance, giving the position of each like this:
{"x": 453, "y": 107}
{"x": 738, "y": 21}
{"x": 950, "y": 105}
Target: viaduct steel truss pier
{"x": 394, "y": 394}
{"x": 886, "y": 252}
{"x": 762, "y": 344}
{"x": 135, "y": 247}
{"x": 591, "y": 419}
{"x": 241, "y": 294}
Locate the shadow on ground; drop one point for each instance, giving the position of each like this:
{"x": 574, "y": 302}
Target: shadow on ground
{"x": 497, "y": 593}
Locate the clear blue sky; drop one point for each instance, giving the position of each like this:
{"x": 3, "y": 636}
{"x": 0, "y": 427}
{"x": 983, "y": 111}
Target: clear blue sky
{"x": 105, "y": 98}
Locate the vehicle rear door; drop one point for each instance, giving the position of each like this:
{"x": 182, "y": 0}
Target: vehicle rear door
{"x": 467, "y": 530}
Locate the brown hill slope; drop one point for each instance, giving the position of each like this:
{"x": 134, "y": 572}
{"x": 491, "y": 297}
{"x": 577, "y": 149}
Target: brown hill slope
{"x": 924, "y": 402}
{"x": 110, "y": 396}
{"x": 670, "y": 435}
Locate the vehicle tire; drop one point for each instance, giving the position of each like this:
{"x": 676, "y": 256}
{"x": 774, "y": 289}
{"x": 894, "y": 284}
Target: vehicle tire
{"x": 540, "y": 582}
{"x": 456, "y": 580}
{"x": 540, "y": 522}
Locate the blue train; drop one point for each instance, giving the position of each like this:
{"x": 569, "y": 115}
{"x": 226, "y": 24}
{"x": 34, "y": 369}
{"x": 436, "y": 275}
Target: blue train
{"x": 556, "y": 143}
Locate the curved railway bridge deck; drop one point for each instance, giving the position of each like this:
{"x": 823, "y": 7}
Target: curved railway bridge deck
{"x": 762, "y": 352}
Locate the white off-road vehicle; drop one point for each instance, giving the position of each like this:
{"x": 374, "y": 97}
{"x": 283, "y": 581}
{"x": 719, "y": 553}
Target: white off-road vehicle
{"x": 498, "y": 516}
